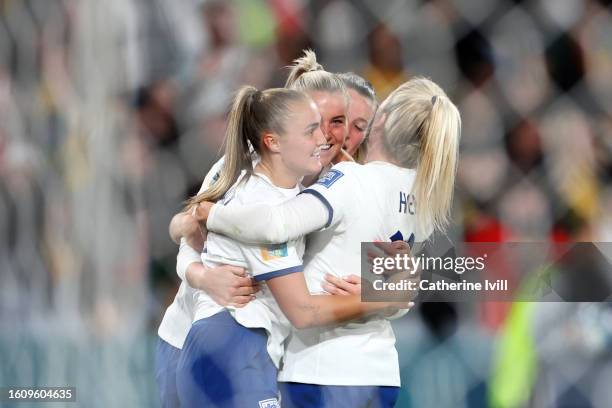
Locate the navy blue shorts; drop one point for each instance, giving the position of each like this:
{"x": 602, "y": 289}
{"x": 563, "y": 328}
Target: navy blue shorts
{"x": 166, "y": 358}
{"x": 224, "y": 364}
{"x": 298, "y": 395}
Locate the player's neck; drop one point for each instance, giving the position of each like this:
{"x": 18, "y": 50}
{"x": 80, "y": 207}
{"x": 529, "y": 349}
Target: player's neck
{"x": 277, "y": 173}
{"x": 377, "y": 152}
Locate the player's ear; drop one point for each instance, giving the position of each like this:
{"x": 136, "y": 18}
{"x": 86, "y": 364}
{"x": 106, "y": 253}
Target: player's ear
{"x": 270, "y": 141}
{"x": 377, "y": 128}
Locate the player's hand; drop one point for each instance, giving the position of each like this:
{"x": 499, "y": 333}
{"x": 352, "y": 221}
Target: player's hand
{"x": 347, "y": 285}
{"x": 409, "y": 274}
{"x": 226, "y": 284}
{"x": 202, "y": 211}
{"x": 390, "y": 250}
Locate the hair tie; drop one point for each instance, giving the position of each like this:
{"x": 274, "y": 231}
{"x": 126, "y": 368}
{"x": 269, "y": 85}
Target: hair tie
{"x": 433, "y": 100}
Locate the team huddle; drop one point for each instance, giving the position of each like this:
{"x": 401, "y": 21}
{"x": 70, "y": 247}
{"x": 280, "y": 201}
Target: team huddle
{"x": 269, "y": 311}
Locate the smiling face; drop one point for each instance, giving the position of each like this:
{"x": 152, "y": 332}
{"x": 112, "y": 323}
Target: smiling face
{"x": 360, "y": 114}
{"x": 301, "y": 143}
{"x": 332, "y": 107}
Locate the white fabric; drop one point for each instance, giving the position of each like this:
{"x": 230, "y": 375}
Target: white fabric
{"x": 261, "y": 261}
{"x": 178, "y": 317}
{"x": 262, "y": 223}
{"x": 186, "y": 256}
{"x": 366, "y": 206}
{"x": 366, "y": 203}
{"x": 177, "y": 320}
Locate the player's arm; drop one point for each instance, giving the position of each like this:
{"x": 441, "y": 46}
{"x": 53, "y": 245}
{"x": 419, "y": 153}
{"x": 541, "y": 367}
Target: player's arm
{"x": 227, "y": 285}
{"x": 280, "y": 266}
{"x": 320, "y": 206}
{"x": 305, "y": 310}
{"x": 265, "y": 223}
{"x": 184, "y": 224}
{"x": 391, "y": 249}
{"x": 351, "y": 284}
{"x": 174, "y": 229}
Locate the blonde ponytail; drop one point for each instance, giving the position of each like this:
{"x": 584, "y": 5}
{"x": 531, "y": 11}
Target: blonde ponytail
{"x": 253, "y": 112}
{"x": 308, "y": 75}
{"x": 307, "y": 63}
{"x": 435, "y": 178}
{"x": 236, "y": 149}
{"x": 422, "y": 131}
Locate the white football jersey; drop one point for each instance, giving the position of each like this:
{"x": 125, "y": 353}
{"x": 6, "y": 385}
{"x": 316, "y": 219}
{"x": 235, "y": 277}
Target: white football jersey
{"x": 261, "y": 261}
{"x": 366, "y": 203}
{"x": 179, "y": 315}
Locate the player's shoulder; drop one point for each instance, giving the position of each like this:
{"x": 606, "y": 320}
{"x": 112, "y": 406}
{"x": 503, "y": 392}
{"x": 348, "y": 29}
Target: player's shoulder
{"x": 389, "y": 172}
{"x": 347, "y": 167}
{"x": 213, "y": 175}
{"x": 256, "y": 188}
{"x": 342, "y": 172}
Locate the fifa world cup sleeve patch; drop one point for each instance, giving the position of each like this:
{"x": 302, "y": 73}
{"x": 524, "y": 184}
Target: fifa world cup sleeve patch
{"x": 330, "y": 178}
{"x": 276, "y": 251}
{"x": 269, "y": 403}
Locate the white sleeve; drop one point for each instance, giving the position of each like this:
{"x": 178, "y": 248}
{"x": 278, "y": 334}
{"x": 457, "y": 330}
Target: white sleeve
{"x": 335, "y": 190}
{"x": 269, "y": 224}
{"x": 186, "y": 256}
{"x": 322, "y": 205}
{"x": 213, "y": 174}
{"x": 272, "y": 260}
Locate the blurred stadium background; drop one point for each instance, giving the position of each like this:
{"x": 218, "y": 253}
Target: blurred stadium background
{"x": 112, "y": 111}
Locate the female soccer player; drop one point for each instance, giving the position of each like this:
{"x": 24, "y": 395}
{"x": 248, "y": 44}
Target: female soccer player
{"x": 360, "y": 113}
{"x": 230, "y": 356}
{"x": 228, "y": 285}
{"x": 330, "y": 95}
{"x": 412, "y": 156}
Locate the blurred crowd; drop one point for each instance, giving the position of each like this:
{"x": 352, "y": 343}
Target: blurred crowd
{"x": 111, "y": 113}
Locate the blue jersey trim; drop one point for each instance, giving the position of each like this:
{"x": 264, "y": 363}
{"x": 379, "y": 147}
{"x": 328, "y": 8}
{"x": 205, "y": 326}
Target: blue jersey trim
{"x": 330, "y": 209}
{"x": 280, "y": 272}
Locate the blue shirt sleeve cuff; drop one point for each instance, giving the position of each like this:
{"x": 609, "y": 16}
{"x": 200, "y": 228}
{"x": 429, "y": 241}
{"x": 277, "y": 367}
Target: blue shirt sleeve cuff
{"x": 280, "y": 272}
{"x": 330, "y": 210}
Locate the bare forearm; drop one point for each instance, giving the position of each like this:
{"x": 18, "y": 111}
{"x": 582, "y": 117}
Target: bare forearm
{"x": 194, "y": 275}
{"x": 323, "y": 310}
{"x": 306, "y": 310}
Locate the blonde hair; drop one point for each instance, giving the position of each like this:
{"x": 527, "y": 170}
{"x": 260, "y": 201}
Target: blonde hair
{"x": 364, "y": 88}
{"x": 422, "y": 131}
{"x": 253, "y": 113}
{"x": 308, "y": 75}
